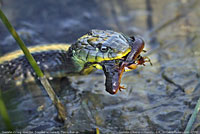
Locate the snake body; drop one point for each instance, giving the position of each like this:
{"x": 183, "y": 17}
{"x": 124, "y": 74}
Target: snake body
{"x": 58, "y": 60}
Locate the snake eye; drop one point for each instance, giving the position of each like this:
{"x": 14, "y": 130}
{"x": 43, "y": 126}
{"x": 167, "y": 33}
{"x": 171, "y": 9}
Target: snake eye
{"x": 89, "y": 33}
{"x": 103, "y": 49}
{"x": 133, "y": 38}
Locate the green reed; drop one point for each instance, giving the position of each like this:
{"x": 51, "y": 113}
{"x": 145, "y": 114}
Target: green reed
{"x": 60, "y": 108}
{"x": 4, "y": 114}
{"x": 192, "y": 118}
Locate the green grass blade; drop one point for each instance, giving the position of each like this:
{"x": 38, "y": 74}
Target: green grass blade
{"x": 21, "y": 44}
{"x": 4, "y": 114}
{"x": 192, "y": 118}
{"x": 60, "y": 108}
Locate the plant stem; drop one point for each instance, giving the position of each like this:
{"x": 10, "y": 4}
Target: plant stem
{"x": 39, "y": 73}
{"x": 192, "y": 118}
{"x": 4, "y": 114}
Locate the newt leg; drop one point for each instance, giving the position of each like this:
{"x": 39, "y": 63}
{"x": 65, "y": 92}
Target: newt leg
{"x": 141, "y": 60}
{"x": 121, "y": 88}
{"x": 147, "y": 59}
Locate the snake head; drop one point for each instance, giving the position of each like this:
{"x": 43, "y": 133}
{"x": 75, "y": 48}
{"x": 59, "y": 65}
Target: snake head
{"x": 100, "y": 45}
{"x": 110, "y": 51}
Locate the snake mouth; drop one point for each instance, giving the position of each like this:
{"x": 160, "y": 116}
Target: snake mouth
{"x": 113, "y": 69}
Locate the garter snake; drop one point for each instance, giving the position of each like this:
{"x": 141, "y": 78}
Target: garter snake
{"x": 58, "y": 60}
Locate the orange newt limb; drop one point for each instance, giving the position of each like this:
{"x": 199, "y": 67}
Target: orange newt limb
{"x": 141, "y": 60}
{"x": 120, "y": 77}
{"x": 132, "y": 66}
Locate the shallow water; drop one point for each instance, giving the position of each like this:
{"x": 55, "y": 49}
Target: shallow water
{"x": 157, "y": 98}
